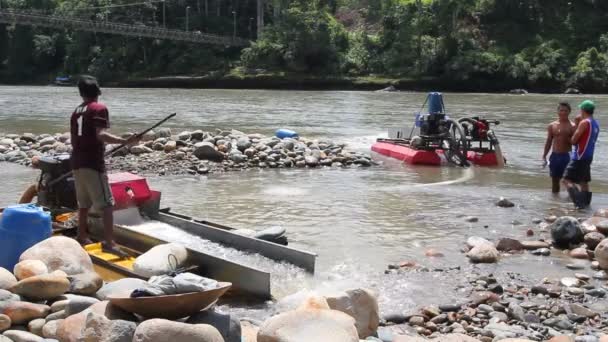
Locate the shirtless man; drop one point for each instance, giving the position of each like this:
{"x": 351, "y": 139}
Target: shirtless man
{"x": 559, "y": 133}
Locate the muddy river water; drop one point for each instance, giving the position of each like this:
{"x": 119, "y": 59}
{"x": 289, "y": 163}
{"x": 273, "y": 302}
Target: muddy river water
{"x": 357, "y": 220}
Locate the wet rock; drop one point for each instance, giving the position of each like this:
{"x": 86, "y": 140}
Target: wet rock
{"x": 433, "y": 253}
{"x": 49, "y": 330}
{"x": 170, "y": 146}
{"x": 395, "y": 317}
{"x": 207, "y": 151}
{"x": 450, "y": 307}
{"x": 120, "y": 287}
{"x": 140, "y": 149}
{"x": 77, "y": 304}
{"x": 42, "y": 287}
{"x": 484, "y": 253}
{"x": 579, "y": 253}
{"x": 534, "y": 245}
{"x": 416, "y": 321}
{"x": 311, "y": 161}
{"x": 581, "y": 310}
{"x": 362, "y": 305}
{"x": 565, "y": 231}
{"x": 496, "y": 288}
{"x": 539, "y": 289}
{"x": 508, "y": 245}
{"x": 601, "y": 275}
{"x": 23, "y": 312}
{"x": 156, "y": 261}
{"x": 98, "y": 328}
{"x": 60, "y": 253}
{"x": 7, "y": 279}
{"x": 35, "y": 326}
{"x": 601, "y": 254}
{"x": 85, "y": 283}
{"x": 471, "y": 219}
{"x": 475, "y": 241}
{"x": 29, "y": 268}
{"x": 229, "y": 328}
{"x": 593, "y": 239}
{"x": 5, "y": 322}
{"x": 570, "y": 282}
{"x": 505, "y": 203}
{"x": 602, "y": 227}
{"x": 22, "y": 336}
{"x": 517, "y": 312}
{"x": 541, "y": 252}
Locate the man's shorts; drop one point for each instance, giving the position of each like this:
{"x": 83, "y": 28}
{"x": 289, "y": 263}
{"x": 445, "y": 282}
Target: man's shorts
{"x": 558, "y": 163}
{"x": 92, "y": 189}
{"x": 579, "y": 171}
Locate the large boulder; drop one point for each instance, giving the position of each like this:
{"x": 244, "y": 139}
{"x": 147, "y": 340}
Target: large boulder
{"x": 98, "y": 328}
{"x": 77, "y": 304}
{"x": 207, "y": 151}
{"x": 229, "y": 327}
{"x": 42, "y": 287}
{"x": 30, "y": 268}
{"x": 7, "y": 279}
{"x": 601, "y": 254}
{"x": 161, "y": 259}
{"x": 85, "y": 283}
{"x": 60, "y": 253}
{"x": 309, "y": 325}
{"x": 23, "y": 312}
{"x": 5, "y": 322}
{"x": 360, "y": 304}
{"x": 483, "y": 253}
{"x": 22, "y": 336}
{"x": 160, "y": 330}
{"x": 313, "y": 320}
{"x": 565, "y": 231}
{"x": 509, "y": 245}
{"x": 49, "y": 330}
{"x": 121, "y": 287}
{"x": 72, "y": 329}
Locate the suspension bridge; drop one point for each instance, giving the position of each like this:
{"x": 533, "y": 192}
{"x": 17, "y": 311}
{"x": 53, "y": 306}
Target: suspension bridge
{"x": 32, "y": 18}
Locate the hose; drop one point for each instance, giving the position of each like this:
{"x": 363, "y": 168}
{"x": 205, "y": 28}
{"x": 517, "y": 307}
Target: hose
{"x": 460, "y": 149}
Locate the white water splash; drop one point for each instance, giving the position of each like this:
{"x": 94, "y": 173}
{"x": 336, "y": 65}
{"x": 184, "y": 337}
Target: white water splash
{"x": 284, "y": 191}
{"x": 468, "y": 174}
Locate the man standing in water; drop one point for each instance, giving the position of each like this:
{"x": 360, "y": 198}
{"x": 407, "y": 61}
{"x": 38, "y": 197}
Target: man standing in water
{"x": 88, "y": 127}
{"x": 559, "y": 134}
{"x": 578, "y": 172}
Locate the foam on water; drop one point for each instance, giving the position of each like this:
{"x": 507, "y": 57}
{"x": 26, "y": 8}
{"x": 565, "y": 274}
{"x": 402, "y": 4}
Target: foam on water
{"x": 285, "y": 277}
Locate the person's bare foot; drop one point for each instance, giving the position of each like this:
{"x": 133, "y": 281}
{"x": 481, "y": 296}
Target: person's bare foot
{"x": 84, "y": 242}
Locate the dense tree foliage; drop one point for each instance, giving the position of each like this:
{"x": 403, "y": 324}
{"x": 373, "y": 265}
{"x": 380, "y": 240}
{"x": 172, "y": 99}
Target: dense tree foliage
{"x": 540, "y": 44}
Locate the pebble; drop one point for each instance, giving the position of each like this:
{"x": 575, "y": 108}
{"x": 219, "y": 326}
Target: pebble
{"x": 570, "y": 282}
{"x": 416, "y": 321}
{"x": 582, "y": 276}
{"x": 576, "y": 291}
{"x": 598, "y": 293}
{"x": 541, "y": 252}
{"x": 449, "y": 307}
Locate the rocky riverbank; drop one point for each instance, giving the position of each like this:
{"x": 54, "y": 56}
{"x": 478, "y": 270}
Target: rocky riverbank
{"x": 162, "y": 152}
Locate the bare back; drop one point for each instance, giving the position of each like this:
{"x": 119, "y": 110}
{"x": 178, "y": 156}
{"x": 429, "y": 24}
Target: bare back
{"x": 561, "y": 133}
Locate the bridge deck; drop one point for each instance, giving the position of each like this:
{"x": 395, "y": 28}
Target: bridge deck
{"x": 35, "y": 19}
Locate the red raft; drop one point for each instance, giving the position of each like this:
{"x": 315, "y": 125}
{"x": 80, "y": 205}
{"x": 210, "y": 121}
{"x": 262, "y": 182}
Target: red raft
{"x": 413, "y": 156}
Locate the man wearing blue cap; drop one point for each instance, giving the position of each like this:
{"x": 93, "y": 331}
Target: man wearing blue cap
{"x": 578, "y": 172}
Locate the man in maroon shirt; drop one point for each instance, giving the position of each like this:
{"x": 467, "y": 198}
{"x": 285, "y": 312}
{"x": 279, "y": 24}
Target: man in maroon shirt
{"x": 88, "y": 126}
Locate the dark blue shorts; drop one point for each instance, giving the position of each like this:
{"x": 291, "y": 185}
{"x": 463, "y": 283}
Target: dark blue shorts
{"x": 558, "y": 163}
{"x": 579, "y": 171}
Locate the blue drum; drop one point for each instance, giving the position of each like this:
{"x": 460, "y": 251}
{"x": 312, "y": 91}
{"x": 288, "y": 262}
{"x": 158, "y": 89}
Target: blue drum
{"x": 21, "y": 227}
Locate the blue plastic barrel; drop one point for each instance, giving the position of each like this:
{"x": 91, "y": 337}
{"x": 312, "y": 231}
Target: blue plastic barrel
{"x": 435, "y": 101}
{"x": 22, "y": 226}
{"x": 286, "y": 133}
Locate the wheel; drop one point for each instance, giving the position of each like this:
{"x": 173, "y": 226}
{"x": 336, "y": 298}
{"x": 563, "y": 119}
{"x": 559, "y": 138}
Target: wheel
{"x": 455, "y": 144}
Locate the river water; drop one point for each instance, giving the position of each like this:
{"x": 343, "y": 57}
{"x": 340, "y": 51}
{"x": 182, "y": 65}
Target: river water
{"x": 357, "y": 220}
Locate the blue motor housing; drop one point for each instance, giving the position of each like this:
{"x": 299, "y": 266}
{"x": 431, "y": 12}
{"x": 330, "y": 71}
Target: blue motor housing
{"x": 22, "y": 226}
{"x": 435, "y": 101}
{"x": 285, "y": 133}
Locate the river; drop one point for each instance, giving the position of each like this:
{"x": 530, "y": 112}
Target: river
{"x": 357, "y": 220}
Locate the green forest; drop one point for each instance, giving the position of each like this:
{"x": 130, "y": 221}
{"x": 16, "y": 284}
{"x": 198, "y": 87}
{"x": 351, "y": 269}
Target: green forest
{"x": 542, "y": 45}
